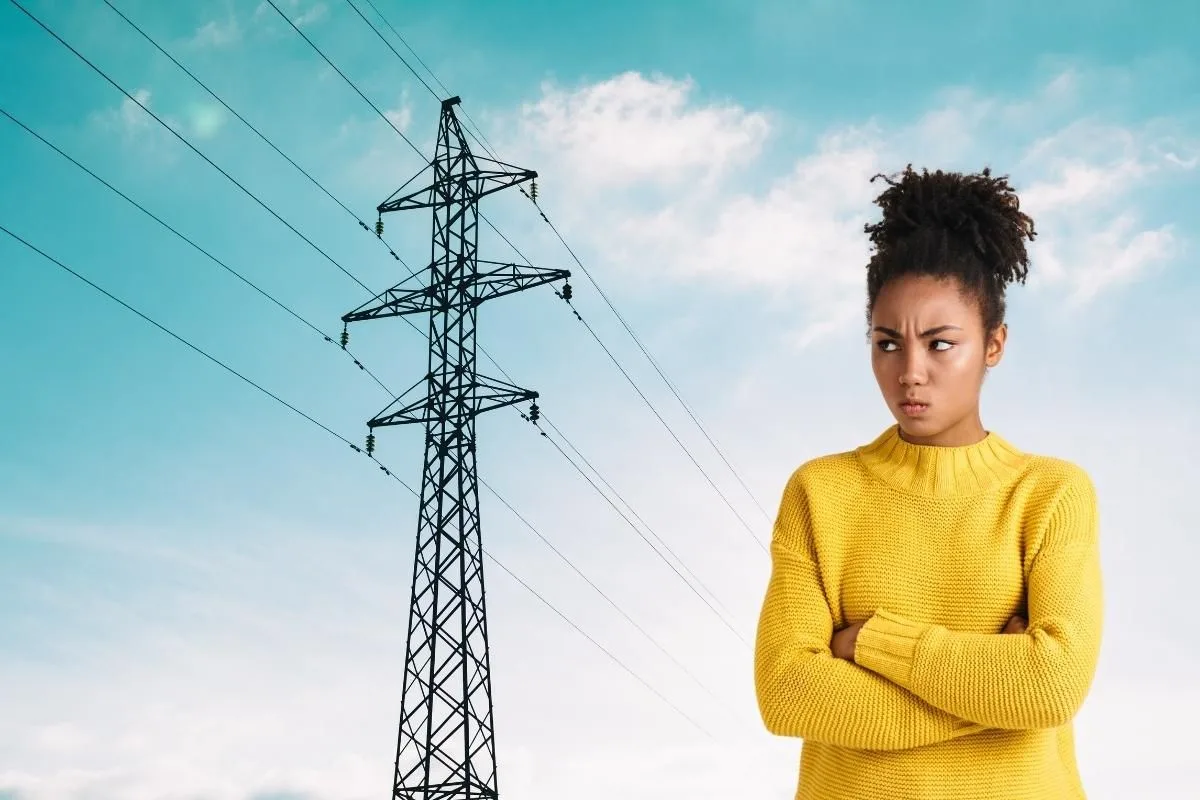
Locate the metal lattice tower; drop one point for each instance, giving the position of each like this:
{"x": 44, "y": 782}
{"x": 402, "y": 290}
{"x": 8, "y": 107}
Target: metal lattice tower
{"x": 445, "y": 747}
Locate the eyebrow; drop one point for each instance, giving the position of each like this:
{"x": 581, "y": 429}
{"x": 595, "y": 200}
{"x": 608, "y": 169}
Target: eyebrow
{"x": 930, "y": 332}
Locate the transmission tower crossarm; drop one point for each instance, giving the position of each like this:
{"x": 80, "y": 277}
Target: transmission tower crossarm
{"x": 483, "y": 181}
{"x": 493, "y": 393}
{"x": 511, "y": 278}
{"x": 489, "y": 394}
{"x": 397, "y": 301}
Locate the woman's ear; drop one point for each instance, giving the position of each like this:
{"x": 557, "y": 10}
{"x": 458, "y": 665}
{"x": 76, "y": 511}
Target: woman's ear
{"x": 994, "y": 350}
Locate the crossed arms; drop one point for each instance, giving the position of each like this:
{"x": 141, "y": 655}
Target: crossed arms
{"x": 913, "y": 683}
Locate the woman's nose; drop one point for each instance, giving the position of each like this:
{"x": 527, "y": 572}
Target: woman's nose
{"x": 913, "y": 371}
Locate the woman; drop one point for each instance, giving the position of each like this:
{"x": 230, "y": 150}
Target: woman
{"x": 893, "y": 637}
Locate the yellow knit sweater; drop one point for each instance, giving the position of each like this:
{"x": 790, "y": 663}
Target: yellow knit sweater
{"x": 935, "y": 548}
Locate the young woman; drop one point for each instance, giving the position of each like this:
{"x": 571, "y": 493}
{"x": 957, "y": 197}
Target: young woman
{"x": 933, "y": 618}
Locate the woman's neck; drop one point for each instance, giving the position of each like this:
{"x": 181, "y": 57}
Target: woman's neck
{"x": 966, "y": 431}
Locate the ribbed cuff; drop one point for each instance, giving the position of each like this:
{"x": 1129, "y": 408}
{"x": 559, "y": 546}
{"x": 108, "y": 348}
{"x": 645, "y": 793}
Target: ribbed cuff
{"x": 887, "y": 645}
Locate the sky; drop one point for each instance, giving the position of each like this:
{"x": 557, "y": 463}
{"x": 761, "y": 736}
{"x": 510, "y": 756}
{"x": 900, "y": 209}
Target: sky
{"x": 205, "y": 595}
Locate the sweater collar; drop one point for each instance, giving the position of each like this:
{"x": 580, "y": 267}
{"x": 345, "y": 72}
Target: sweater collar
{"x": 942, "y": 471}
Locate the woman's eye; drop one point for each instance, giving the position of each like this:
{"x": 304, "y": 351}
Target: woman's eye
{"x": 888, "y": 346}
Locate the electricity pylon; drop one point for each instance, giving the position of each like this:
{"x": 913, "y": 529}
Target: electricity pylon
{"x": 445, "y": 747}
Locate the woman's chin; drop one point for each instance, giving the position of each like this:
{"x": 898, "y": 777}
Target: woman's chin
{"x": 919, "y": 429}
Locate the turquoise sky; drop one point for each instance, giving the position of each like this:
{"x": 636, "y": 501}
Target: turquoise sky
{"x": 203, "y": 590}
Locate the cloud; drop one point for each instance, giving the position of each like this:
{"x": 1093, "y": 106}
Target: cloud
{"x": 205, "y": 120}
{"x": 217, "y": 33}
{"x": 60, "y": 736}
{"x": 616, "y": 142}
{"x": 137, "y": 129}
{"x": 690, "y": 189}
{"x": 1085, "y": 203}
{"x": 293, "y": 8}
{"x": 373, "y": 155}
{"x": 400, "y": 116}
{"x": 1190, "y": 163}
{"x": 630, "y": 129}
{"x": 311, "y": 15}
{"x": 129, "y": 118}
{"x": 217, "y": 666}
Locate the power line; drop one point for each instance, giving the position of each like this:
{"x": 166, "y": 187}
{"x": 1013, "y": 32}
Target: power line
{"x": 625, "y": 502}
{"x": 351, "y": 83}
{"x": 413, "y": 71}
{"x": 408, "y": 321}
{"x": 249, "y": 125}
{"x": 302, "y": 320}
{"x": 190, "y": 146}
{"x": 483, "y": 142}
{"x": 432, "y": 74}
{"x": 344, "y": 440}
{"x": 175, "y": 336}
{"x": 603, "y": 649}
{"x": 749, "y": 530}
{"x": 657, "y": 369}
{"x": 619, "y": 610}
{"x": 193, "y": 244}
{"x": 649, "y": 404}
{"x": 194, "y": 149}
{"x": 278, "y": 217}
{"x": 647, "y": 541}
{"x": 436, "y": 80}
{"x": 417, "y": 150}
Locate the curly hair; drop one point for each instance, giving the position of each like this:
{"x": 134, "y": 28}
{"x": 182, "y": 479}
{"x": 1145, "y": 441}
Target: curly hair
{"x": 950, "y": 225}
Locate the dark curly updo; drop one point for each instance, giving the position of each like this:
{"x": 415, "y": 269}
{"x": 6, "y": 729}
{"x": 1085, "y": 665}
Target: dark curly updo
{"x": 950, "y": 225}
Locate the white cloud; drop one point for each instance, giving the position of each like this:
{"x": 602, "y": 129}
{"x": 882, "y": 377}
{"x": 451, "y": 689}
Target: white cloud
{"x": 138, "y": 129}
{"x": 217, "y": 33}
{"x": 401, "y": 117}
{"x": 1091, "y": 177}
{"x": 219, "y": 694}
{"x": 60, "y": 736}
{"x": 619, "y": 145}
{"x": 129, "y": 118}
{"x": 804, "y": 232}
{"x": 311, "y": 15}
{"x": 143, "y": 137}
{"x": 1189, "y": 163}
{"x": 631, "y": 129}
{"x": 205, "y": 120}
{"x": 376, "y": 156}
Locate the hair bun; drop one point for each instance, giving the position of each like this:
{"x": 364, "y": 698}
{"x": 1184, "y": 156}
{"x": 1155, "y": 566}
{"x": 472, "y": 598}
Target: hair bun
{"x": 950, "y": 224}
{"x": 981, "y": 211}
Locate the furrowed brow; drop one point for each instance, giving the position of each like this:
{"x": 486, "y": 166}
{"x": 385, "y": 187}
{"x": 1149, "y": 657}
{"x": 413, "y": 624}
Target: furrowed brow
{"x": 930, "y": 332}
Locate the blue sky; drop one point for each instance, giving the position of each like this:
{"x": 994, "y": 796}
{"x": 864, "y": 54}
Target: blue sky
{"x": 205, "y": 595}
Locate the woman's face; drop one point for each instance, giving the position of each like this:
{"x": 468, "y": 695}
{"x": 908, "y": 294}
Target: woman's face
{"x": 928, "y": 347}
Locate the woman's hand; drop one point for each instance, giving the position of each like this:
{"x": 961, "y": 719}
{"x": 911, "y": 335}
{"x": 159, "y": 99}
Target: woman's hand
{"x": 844, "y": 640}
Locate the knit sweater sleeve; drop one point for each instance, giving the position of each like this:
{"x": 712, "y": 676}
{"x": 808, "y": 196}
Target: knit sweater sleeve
{"x": 1035, "y": 680}
{"x": 802, "y": 689}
